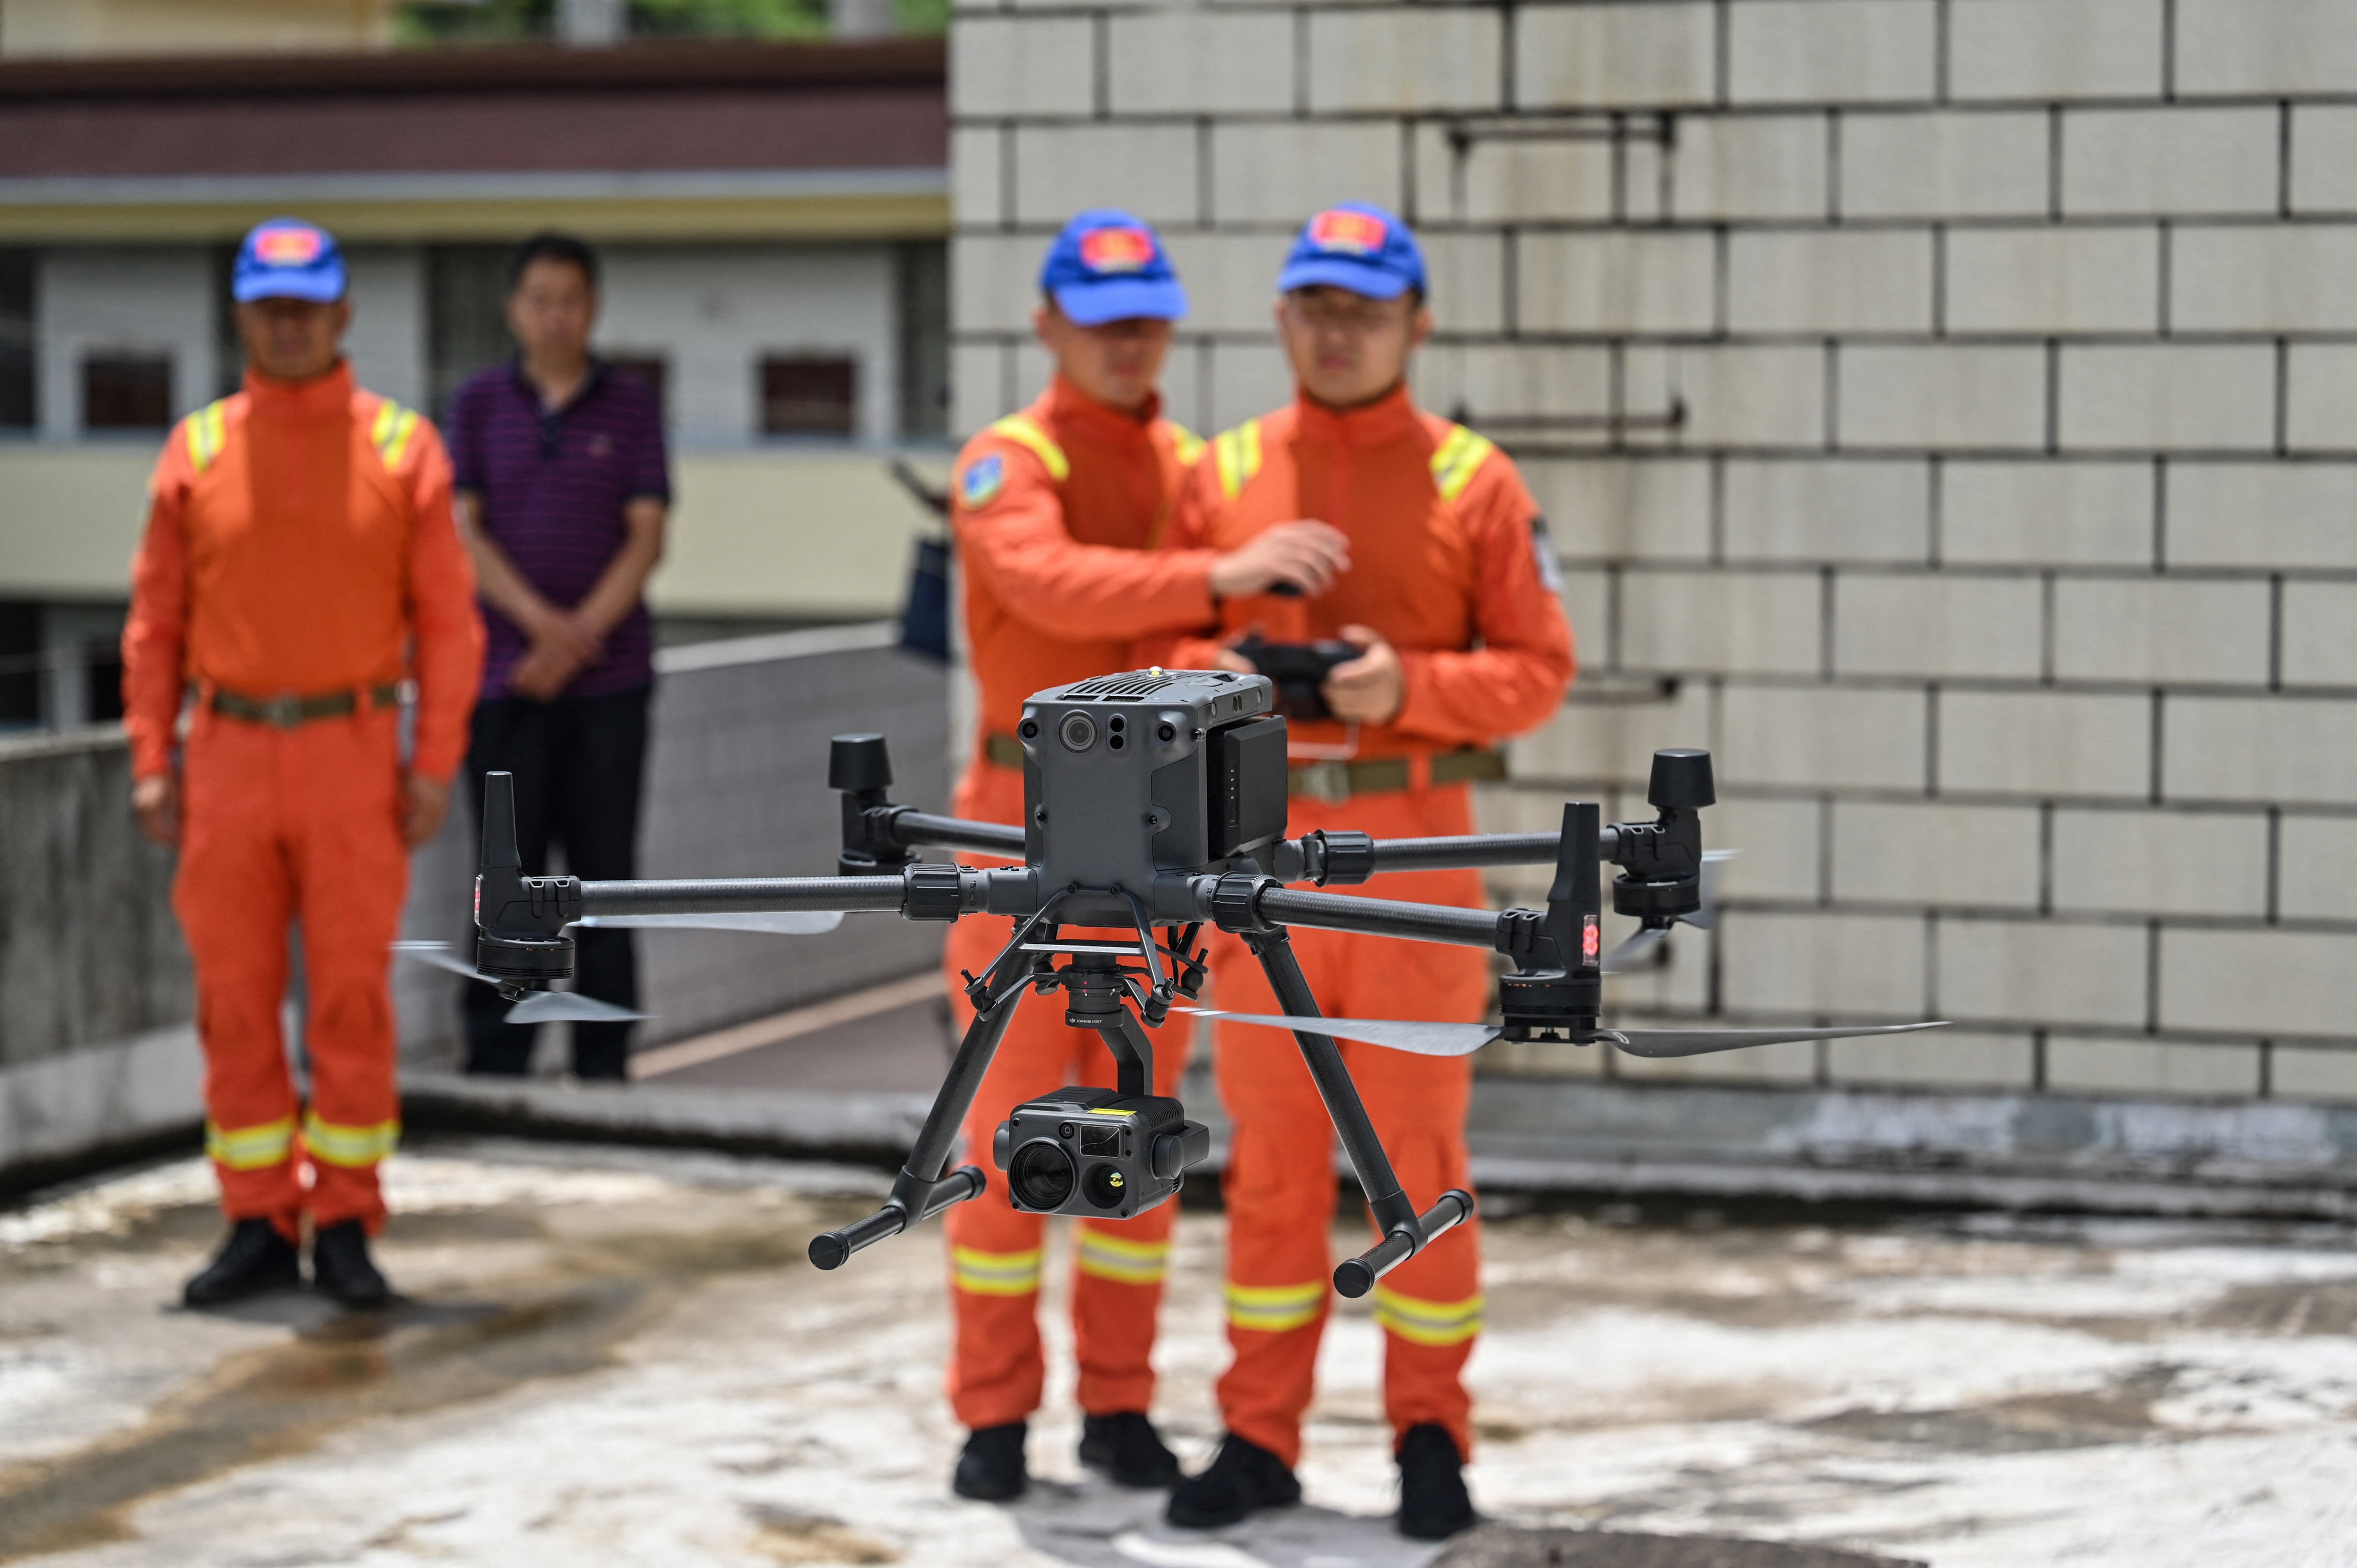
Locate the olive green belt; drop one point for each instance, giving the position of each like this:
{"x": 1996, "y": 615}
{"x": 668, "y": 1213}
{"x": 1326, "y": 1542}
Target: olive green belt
{"x": 288, "y": 711}
{"x": 1336, "y": 782}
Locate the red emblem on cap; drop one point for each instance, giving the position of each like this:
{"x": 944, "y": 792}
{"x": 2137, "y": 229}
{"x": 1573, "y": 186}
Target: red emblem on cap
{"x": 1122, "y": 249}
{"x": 1355, "y": 233}
{"x": 287, "y": 247}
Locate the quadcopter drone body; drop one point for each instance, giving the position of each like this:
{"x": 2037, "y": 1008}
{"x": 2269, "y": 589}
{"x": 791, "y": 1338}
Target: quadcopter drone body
{"x": 1155, "y": 805}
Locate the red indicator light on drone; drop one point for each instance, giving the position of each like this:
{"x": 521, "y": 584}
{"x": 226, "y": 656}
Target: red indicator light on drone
{"x": 1591, "y": 938}
{"x": 478, "y": 900}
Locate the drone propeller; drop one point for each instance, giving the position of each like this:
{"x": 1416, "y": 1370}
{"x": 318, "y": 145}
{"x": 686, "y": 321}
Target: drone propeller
{"x": 776, "y": 922}
{"x": 1464, "y": 1039}
{"x": 541, "y": 1007}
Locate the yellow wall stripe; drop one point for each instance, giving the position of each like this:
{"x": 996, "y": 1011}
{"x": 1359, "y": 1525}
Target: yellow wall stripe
{"x": 1015, "y": 427}
{"x": 250, "y": 1148}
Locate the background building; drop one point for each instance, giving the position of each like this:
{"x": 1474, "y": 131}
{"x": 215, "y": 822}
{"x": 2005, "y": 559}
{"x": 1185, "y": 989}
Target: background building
{"x": 772, "y": 218}
{"x": 1945, "y": 409}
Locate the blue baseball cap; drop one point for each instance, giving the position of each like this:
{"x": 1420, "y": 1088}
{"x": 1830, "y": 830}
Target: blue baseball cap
{"x": 1356, "y": 246}
{"x": 1109, "y": 267}
{"x": 286, "y": 258}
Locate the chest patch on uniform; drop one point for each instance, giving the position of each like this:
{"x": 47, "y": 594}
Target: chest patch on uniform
{"x": 985, "y": 478}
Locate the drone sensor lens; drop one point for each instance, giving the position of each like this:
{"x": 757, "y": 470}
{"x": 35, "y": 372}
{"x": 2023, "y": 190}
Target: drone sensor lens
{"x": 1030, "y": 729}
{"x": 1106, "y": 1187}
{"x": 1078, "y": 732}
{"x": 1167, "y": 733}
{"x": 1041, "y": 1175}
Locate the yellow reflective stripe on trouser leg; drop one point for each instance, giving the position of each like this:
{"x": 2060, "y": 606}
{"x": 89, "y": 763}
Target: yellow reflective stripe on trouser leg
{"x": 1121, "y": 1259}
{"x": 1014, "y": 427}
{"x": 1459, "y": 457}
{"x": 250, "y": 1148}
{"x": 340, "y": 1144}
{"x": 1428, "y": 1322}
{"x": 1275, "y": 1308}
{"x": 994, "y": 1273}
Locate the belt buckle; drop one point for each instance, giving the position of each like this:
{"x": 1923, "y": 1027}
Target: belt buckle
{"x": 282, "y": 712}
{"x": 1328, "y": 782}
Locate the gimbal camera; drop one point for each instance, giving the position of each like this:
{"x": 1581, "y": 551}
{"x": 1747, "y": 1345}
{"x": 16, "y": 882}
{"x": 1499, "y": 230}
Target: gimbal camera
{"x": 1155, "y": 805}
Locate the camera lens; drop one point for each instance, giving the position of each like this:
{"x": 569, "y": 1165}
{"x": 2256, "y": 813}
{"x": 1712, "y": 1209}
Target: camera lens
{"x": 1078, "y": 732}
{"x": 1167, "y": 732}
{"x": 1116, "y": 724}
{"x": 1106, "y": 1187}
{"x": 1041, "y": 1175}
{"x": 1030, "y": 729}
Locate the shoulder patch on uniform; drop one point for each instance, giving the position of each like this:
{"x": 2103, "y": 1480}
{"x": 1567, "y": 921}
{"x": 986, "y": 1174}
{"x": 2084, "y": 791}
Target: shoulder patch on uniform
{"x": 983, "y": 480}
{"x": 1238, "y": 454}
{"x": 1543, "y": 551}
{"x": 1457, "y": 459}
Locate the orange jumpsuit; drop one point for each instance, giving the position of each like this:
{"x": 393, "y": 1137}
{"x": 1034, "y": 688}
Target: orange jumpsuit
{"x": 300, "y": 541}
{"x": 1057, "y": 510}
{"x": 1448, "y": 564}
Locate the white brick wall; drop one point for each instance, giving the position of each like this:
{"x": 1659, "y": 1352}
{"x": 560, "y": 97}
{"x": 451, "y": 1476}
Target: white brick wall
{"x": 1957, "y": 437}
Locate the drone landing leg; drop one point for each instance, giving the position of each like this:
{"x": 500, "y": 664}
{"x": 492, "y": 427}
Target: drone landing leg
{"x": 1405, "y": 1233}
{"x": 920, "y": 1190}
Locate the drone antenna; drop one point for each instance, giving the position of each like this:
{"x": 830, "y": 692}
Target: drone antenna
{"x": 498, "y": 847}
{"x": 1576, "y": 901}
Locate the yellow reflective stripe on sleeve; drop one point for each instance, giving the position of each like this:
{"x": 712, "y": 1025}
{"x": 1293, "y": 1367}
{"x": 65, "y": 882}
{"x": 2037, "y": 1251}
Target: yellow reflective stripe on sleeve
{"x": 1459, "y": 457}
{"x": 1428, "y": 1322}
{"x": 1238, "y": 452}
{"x": 337, "y": 1143}
{"x": 994, "y": 1273}
{"x": 391, "y": 431}
{"x": 1272, "y": 1309}
{"x": 250, "y": 1148}
{"x": 1124, "y": 1261}
{"x": 208, "y": 433}
{"x": 1185, "y": 445}
{"x": 1017, "y": 428}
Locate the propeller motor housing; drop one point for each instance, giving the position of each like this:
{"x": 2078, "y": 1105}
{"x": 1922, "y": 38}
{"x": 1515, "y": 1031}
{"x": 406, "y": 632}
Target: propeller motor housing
{"x": 1097, "y": 1152}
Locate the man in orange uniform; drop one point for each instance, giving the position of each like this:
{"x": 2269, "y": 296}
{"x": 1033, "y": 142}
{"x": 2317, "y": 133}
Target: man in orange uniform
{"x": 1451, "y": 600}
{"x": 1057, "y": 510}
{"x": 300, "y": 565}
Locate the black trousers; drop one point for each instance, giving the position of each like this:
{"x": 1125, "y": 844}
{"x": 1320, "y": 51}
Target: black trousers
{"x": 579, "y": 764}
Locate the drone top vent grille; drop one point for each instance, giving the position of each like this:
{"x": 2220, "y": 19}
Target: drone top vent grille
{"x": 1118, "y": 688}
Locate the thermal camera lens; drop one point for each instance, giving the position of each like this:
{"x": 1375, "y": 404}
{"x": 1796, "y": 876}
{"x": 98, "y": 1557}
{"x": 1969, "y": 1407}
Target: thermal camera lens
{"x": 1078, "y": 732}
{"x": 1106, "y": 1187}
{"x": 1041, "y": 1175}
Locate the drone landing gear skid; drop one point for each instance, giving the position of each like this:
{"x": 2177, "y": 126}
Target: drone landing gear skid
{"x": 1101, "y": 996}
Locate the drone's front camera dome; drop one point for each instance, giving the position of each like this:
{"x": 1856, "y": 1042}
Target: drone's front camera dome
{"x": 1078, "y": 732}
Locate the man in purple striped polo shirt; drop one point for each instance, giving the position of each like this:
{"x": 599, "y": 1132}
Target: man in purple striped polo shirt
{"x": 563, "y": 488}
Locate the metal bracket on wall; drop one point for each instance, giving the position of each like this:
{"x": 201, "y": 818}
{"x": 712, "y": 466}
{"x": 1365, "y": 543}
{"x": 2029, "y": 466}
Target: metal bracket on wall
{"x": 1619, "y": 130}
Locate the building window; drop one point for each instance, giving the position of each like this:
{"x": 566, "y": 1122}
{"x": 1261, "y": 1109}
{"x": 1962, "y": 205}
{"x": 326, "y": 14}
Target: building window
{"x": 17, "y": 397}
{"x": 653, "y": 370}
{"x": 126, "y": 392}
{"x": 805, "y": 395}
{"x": 921, "y": 270}
{"x": 466, "y": 317}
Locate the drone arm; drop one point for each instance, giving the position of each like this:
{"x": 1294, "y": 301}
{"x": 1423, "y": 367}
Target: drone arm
{"x": 913, "y": 829}
{"x": 739, "y": 895}
{"x": 1333, "y": 859}
{"x": 1379, "y": 917}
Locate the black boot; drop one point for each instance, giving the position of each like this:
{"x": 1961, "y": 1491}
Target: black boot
{"x": 1125, "y": 1447}
{"x": 342, "y": 1270}
{"x": 991, "y": 1469}
{"x": 1243, "y": 1477}
{"x": 254, "y": 1259}
{"x": 1434, "y": 1504}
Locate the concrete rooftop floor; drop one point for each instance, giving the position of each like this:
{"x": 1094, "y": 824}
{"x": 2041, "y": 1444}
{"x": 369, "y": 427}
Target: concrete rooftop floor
{"x": 618, "y": 1357}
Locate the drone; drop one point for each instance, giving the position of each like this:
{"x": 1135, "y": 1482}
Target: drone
{"x": 1155, "y": 805}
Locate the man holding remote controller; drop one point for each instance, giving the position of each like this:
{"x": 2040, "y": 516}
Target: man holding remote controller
{"x": 1057, "y": 510}
{"x": 1455, "y": 638}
